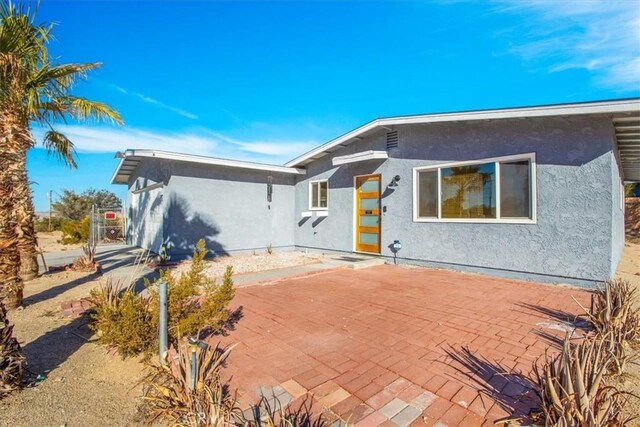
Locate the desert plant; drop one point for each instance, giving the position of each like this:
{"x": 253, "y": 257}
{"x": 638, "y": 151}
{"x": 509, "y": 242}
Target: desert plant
{"x": 572, "y": 389}
{"x": 194, "y": 301}
{"x": 121, "y": 318}
{"x": 86, "y": 261}
{"x": 11, "y": 359}
{"x": 129, "y": 321}
{"x": 168, "y": 392}
{"x": 42, "y": 224}
{"x": 75, "y": 231}
{"x": 614, "y": 318}
{"x": 270, "y": 249}
{"x": 269, "y": 412}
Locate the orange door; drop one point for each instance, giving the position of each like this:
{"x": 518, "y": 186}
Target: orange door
{"x": 368, "y": 213}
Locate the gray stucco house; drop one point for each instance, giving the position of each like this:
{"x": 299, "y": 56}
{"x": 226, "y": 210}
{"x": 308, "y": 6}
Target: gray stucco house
{"x": 532, "y": 193}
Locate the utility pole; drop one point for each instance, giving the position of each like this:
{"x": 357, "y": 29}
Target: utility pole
{"x": 50, "y": 196}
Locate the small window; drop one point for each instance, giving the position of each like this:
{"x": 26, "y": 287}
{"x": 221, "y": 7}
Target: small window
{"x": 491, "y": 190}
{"x": 319, "y": 194}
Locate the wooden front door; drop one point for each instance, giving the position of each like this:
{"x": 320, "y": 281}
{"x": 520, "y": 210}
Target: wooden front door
{"x": 368, "y": 213}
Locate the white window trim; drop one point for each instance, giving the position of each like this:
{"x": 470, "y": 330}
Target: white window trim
{"x": 311, "y": 208}
{"x": 531, "y": 157}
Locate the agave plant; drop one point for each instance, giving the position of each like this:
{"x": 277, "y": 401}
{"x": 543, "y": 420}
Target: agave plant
{"x": 572, "y": 387}
{"x": 86, "y": 261}
{"x": 11, "y": 359}
{"x": 269, "y": 412}
{"x": 614, "y": 318}
{"x": 169, "y": 392}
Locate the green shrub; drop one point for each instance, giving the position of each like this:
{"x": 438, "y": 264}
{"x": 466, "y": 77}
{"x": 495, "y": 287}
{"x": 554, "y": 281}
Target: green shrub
{"x": 129, "y": 321}
{"x": 75, "y": 231}
{"x": 42, "y": 224}
{"x": 195, "y": 301}
{"x": 121, "y": 318}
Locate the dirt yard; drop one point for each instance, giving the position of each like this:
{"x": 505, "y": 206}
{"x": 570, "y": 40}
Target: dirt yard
{"x": 632, "y": 218}
{"x": 629, "y": 269}
{"x": 49, "y": 242}
{"x": 84, "y": 385}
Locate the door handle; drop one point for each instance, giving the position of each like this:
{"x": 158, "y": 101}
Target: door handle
{"x": 368, "y": 212}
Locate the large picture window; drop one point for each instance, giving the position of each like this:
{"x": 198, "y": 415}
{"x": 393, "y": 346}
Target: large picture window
{"x": 318, "y": 195}
{"x": 491, "y": 190}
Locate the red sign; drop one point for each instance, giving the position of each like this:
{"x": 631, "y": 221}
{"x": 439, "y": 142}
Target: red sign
{"x": 109, "y": 215}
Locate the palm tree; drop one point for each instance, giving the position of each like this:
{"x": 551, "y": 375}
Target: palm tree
{"x": 11, "y": 358}
{"x": 32, "y": 90}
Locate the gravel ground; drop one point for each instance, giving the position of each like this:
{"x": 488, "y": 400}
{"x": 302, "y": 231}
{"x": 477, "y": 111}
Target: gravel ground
{"x": 243, "y": 264}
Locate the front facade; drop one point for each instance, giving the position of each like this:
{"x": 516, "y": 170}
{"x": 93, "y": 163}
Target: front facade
{"x": 531, "y": 193}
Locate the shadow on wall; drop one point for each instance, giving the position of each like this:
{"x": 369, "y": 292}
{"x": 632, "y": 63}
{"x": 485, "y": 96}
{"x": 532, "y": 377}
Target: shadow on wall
{"x": 183, "y": 228}
{"x": 147, "y": 204}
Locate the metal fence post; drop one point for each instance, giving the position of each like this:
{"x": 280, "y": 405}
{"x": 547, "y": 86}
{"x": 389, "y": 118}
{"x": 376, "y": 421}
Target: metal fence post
{"x": 162, "y": 293}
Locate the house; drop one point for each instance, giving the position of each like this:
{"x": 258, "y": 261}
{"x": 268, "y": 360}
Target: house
{"x": 531, "y": 193}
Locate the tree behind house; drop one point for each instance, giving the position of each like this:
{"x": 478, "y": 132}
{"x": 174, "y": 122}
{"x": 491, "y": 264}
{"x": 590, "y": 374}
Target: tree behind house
{"x": 76, "y": 206}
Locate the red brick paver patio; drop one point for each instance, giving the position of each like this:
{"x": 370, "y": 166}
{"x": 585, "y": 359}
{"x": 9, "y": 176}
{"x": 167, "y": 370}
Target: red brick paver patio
{"x": 395, "y": 345}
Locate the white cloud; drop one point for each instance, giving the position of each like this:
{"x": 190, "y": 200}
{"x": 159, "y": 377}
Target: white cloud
{"x": 155, "y": 102}
{"x": 202, "y": 142}
{"x": 291, "y": 148}
{"x": 602, "y": 37}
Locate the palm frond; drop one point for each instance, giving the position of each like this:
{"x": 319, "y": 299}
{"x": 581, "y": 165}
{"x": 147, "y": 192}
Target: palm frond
{"x": 58, "y": 145}
{"x": 62, "y": 76}
{"x": 83, "y": 109}
{"x": 20, "y": 35}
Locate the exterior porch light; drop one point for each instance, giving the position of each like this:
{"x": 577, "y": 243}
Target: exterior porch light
{"x": 394, "y": 181}
{"x": 395, "y": 248}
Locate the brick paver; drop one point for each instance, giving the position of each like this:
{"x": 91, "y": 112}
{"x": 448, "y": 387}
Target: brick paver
{"x": 435, "y": 340}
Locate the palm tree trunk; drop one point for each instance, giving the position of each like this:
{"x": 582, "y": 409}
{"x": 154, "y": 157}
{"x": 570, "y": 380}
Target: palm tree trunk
{"x": 12, "y": 152}
{"x": 25, "y": 211}
{"x": 11, "y": 357}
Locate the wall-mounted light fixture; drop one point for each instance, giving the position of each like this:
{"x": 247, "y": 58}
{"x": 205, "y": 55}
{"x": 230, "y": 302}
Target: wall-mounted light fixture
{"x": 394, "y": 181}
{"x": 269, "y": 188}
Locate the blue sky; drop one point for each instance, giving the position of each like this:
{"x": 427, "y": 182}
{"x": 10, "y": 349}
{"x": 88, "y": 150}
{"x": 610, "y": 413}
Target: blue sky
{"x": 266, "y": 81}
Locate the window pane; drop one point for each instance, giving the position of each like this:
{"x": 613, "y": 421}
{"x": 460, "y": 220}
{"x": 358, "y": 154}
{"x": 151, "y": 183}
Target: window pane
{"x": 428, "y": 194}
{"x": 369, "y": 204}
{"x": 515, "y": 190}
{"x": 368, "y": 220}
{"x": 323, "y": 194}
{"x": 369, "y": 238}
{"x": 469, "y": 191}
{"x": 370, "y": 186}
{"x": 314, "y": 195}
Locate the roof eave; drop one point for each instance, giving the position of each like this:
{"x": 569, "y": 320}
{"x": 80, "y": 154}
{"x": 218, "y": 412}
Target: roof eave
{"x": 132, "y": 154}
{"x": 603, "y": 107}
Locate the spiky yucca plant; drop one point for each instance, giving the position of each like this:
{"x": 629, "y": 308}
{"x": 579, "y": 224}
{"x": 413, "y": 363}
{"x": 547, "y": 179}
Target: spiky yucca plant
{"x": 11, "y": 358}
{"x": 269, "y": 412}
{"x": 614, "y": 318}
{"x": 168, "y": 392}
{"x": 572, "y": 387}
{"x": 86, "y": 261}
